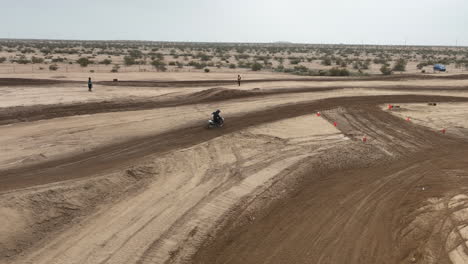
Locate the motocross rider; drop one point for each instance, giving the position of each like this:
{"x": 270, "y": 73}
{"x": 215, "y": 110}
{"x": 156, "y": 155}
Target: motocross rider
{"x": 216, "y": 117}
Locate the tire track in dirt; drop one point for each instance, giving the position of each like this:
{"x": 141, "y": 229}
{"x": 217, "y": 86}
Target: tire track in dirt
{"x": 16, "y": 114}
{"x": 110, "y": 157}
{"x": 196, "y": 83}
{"x": 355, "y": 215}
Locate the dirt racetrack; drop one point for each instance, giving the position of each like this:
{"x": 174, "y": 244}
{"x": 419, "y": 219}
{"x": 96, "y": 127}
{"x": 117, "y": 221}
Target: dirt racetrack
{"x": 276, "y": 184}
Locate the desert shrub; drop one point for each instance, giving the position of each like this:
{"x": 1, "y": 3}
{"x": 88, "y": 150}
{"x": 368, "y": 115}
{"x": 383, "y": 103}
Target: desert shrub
{"x": 159, "y": 65}
{"x": 335, "y": 71}
{"x": 172, "y": 63}
{"x": 37, "y": 60}
{"x": 158, "y": 56}
{"x": 128, "y": 60}
{"x": 256, "y": 66}
{"x": 27, "y": 50}
{"x": 280, "y": 68}
{"x": 197, "y": 65}
{"x": 203, "y": 57}
{"x": 84, "y": 62}
{"x": 53, "y": 67}
{"x": 242, "y": 56}
{"x": 400, "y": 65}
{"x": 207, "y": 70}
{"x": 295, "y": 61}
{"x": 115, "y": 68}
{"x": 59, "y": 59}
{"x": 105, "y": 62}
{"x": 326, "y": 61}
{"x": 179, "y": 64}
{"x": 22, "y": 60}
{"x": 380, "y": 61}
{"x": 232, "y": 66}
{"x": 135, "y": 53}
{"x": 385, "y": 70}
{"x": 92, "y": 71}
{"x": 2, "y": 59}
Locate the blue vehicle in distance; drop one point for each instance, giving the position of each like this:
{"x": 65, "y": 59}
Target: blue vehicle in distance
{"x": 440, "y": 68}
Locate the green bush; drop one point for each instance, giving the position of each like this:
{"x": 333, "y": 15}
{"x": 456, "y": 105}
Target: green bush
{"x": 53, "y": 67}
{"x": 135, "y": 54}
{"x": 128, "y": 60}
{"x": 59, "y": 59}
{"x": 207, "y": 70}
{"x": 385, "y": 70}
{"x": 295, "y": 61}
{"x": 335, "y": 71}
{"x": 2, "y": 59}
{"x": 159, "y": 65}
{"x": 400, "y": 65}
{"x": 232, "y": 66}
{"x": 37, "y": 60}
{"x": 105, "y": 62}
{"x": 22, "y": 60}
{"x": 326, "y": 62}
{"x": 256, "y": 66}
{"x": 84, "y": 62}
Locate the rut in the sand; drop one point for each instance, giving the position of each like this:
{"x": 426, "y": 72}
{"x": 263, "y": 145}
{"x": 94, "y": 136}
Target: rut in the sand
{"x": 110, "y": 157}
{"x": 390, "y": 212}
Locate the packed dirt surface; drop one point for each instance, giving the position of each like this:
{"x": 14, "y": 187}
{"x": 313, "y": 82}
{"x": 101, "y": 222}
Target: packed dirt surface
{"x": 299, "y": 173}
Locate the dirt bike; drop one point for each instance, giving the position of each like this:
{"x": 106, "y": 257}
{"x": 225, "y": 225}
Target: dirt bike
{"x": 213, "y": 124}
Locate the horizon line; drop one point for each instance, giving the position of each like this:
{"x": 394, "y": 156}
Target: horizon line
{"x": 234, "y": 42}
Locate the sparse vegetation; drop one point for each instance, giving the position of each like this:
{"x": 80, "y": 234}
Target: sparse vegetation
{"x": 335, "y": 71}
{"x": 400, "y": 65}
{"x": 37, "y": 60}
{"x": 159, "y": 65}
{"x": 256, "y": 66}
{"x": 105, "y": 62}
{"x": 299, "y": 59}
{"x": 84, "y": 62}
{"x": 53, "y": 67}
{"x": 115, "y": 68}
{"x": 386, "y": 70}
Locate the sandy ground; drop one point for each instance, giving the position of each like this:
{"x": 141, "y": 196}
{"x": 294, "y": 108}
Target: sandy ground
{"x": 32, "y": 142}
{"x": 276, "y": 184}
{"x": 190, "y": 193}
{"x": 448, "y": 118}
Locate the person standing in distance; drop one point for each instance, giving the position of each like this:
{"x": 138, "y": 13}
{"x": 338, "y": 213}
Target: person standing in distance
{"x": 90, "y": 85}
{"x": 239, "y": 79}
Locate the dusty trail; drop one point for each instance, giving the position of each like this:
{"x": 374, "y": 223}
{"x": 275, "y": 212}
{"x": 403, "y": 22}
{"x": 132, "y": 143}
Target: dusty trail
{"x": 114, "y": 156}
{"x": 10, "y": 115}
{"x": 351, "y": 216}
{"x": 195, "y": 83}
{"x": 380, "y": 214}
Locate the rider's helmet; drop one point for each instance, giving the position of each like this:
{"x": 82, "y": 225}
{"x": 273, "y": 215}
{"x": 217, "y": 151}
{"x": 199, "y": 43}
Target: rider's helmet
{"x": 218, "y": 111}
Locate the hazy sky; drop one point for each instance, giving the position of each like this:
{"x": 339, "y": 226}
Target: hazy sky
{"x": 430, "y": 22}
